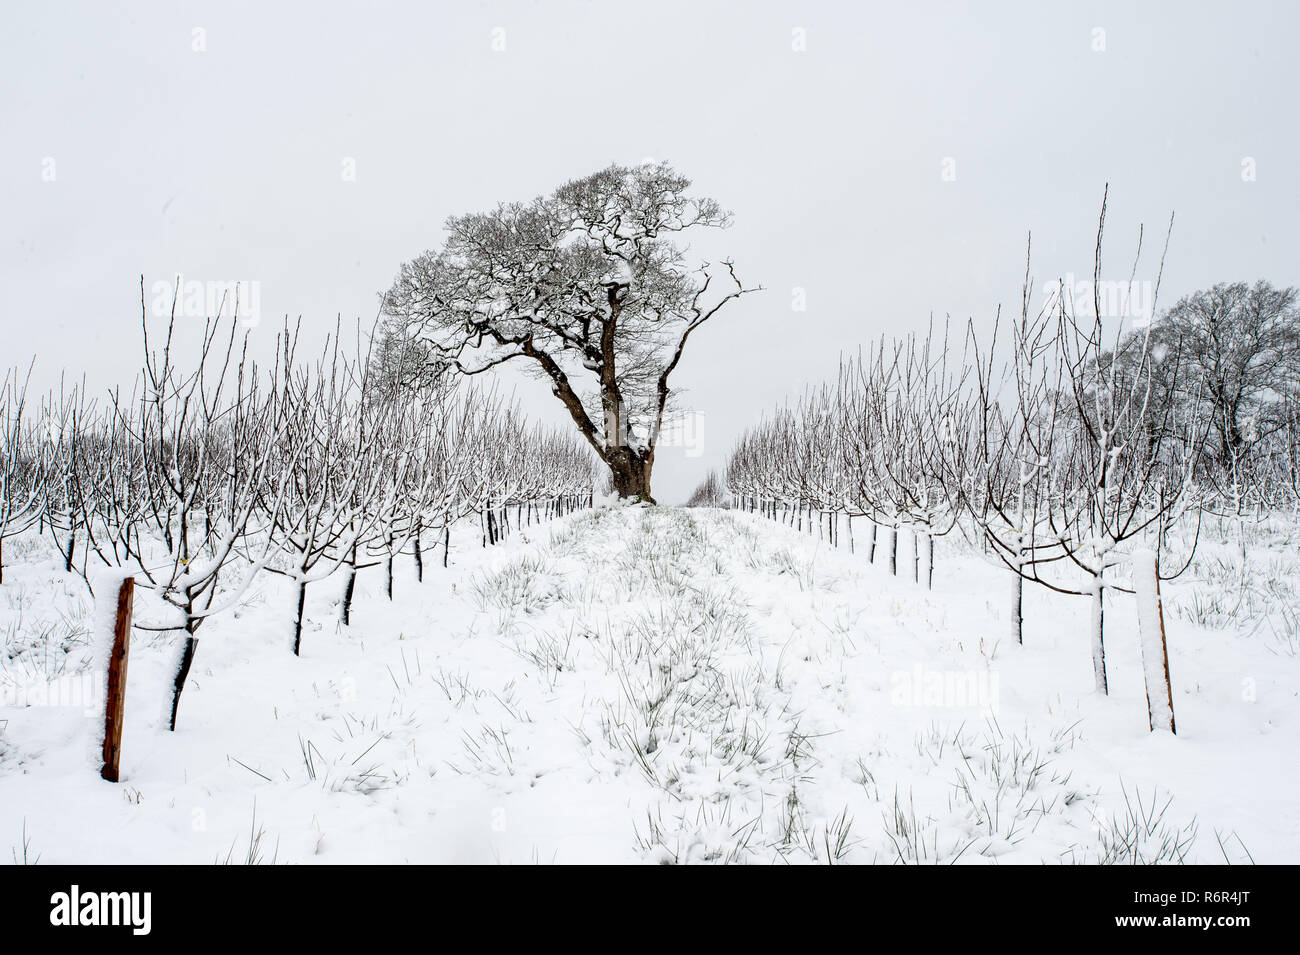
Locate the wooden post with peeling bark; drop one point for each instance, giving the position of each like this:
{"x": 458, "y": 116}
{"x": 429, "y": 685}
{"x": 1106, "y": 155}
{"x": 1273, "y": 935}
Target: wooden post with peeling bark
{"x": 115, "y": 704}
{"x": 1155, "y": 647}
{"x": 1164, "y": 662}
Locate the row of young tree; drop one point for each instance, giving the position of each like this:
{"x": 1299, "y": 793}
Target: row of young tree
{"x": 216, "y": 470}
{"x": 711, "y": 492}
{"x": 1068, "y": 450}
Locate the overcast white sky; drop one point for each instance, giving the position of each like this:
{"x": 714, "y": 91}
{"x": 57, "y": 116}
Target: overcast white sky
{"x": 124, "y": 150}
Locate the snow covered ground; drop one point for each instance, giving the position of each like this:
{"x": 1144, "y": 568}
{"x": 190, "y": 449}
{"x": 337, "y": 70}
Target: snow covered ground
{"x": 663, "y": 685}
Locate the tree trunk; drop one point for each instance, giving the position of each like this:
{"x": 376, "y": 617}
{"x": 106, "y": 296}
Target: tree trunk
{"x": 183, "y": 671}
{"x": 388, "y": 584}
{"x": 349, "y": 587}
{"x": 630, "y": 472}
{"x": 1098, "y": 633}
{"x": 419, "y": 557}
{"x": 297, "y": 617}
{"x": 1018, "y": 607}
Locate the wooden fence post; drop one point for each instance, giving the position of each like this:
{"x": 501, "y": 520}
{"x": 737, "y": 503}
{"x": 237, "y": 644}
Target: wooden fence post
{"x": 1155, "y": 647}
{"x": 1164, "y": 656}
{"x": 115, "y": 703}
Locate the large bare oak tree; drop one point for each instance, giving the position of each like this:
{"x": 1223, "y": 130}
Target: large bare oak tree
{"x": 586, "y": 287}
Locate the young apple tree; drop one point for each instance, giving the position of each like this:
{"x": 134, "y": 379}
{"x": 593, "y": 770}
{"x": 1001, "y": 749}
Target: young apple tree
{"x": 200, "y": 438}
{"x": 24, "y": 463}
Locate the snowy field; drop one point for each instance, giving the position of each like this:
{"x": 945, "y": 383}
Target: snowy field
{"x": 660, "y": 685}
